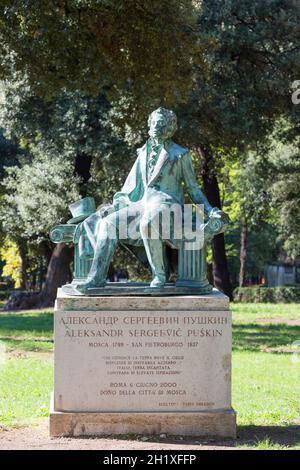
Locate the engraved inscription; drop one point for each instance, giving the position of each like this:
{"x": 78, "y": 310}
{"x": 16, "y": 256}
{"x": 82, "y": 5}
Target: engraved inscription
{"x": 148, "y": 360}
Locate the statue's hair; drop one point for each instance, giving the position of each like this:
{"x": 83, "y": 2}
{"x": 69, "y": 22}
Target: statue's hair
{"x": 170, "y": 118}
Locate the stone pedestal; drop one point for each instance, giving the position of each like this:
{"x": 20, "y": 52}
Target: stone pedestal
{"x": 142, "y": 365}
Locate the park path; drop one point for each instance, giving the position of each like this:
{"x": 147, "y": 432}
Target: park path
{"x": 37, "y": 438}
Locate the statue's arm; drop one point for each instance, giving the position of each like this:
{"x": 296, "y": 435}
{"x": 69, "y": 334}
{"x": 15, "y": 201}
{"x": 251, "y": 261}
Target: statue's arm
{"x": 121, "y": 198}
{"x": 191, "y": 184}
{"x": 195, "y": 192}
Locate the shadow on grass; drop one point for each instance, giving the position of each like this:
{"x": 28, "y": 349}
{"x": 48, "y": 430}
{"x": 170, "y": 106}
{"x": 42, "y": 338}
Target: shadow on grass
{"x": 16, "y": 324}
{"x": 254, "y": 337}
{"x": 28, "y": 345}
{"x": 287, "y": 436}
{"x": 27, "y": 331}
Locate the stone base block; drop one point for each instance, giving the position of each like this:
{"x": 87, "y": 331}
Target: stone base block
{"x": 142, "y": 365}
{"x": 216, "y": 423}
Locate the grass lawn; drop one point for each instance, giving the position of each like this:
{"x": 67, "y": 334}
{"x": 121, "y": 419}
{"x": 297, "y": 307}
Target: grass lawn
{"x": 25, "y": 385}
{"x": 27, "y": 331}
{"x": 266, "y": 382}
{"x": 251, "y": 312}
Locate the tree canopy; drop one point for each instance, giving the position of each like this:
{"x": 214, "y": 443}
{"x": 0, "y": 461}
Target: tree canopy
{"x": 95, "y": 45}
{"x": 80, "y": 76}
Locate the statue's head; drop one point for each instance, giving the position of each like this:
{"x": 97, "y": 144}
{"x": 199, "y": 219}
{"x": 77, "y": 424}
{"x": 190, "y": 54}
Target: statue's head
{"x": 162, "y": 124}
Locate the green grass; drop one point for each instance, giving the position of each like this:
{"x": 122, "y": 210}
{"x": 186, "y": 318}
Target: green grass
{"x": 25, "y": 386}
{"x": 266, "y": 389}
{"x": 266, "y": 382}
{"x": 271, "y": 338}
{"x": 252, "y": 312}
{"x": 252, "y": 332}
{"x": 267, "y": 444}
{"x": 27, "y": 331}
{"x": 32, "y": 345}
{"x": 32, "y": 323}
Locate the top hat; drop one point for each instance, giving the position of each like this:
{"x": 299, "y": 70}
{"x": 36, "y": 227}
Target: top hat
{"x": 81, "y": 209}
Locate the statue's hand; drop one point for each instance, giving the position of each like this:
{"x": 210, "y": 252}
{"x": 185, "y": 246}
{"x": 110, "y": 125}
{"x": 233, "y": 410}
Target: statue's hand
{"x": 218, "y": 214}
{"x": 105, "y": 210}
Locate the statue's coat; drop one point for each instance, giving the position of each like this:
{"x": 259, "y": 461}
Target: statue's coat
{"x": 173, "y": 174}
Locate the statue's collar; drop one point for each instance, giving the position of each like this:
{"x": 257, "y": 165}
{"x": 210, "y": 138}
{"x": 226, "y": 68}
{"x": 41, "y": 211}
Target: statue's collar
{"x": 165, "y": 145}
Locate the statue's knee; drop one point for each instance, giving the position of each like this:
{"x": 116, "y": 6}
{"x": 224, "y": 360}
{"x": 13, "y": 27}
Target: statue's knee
{"x": 108, "y": 228}
{"x": 110, "y": 219}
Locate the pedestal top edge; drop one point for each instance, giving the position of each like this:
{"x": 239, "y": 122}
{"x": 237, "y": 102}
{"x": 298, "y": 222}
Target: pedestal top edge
{"x": 215, "y": 300}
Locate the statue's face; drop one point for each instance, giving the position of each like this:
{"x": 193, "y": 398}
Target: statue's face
{"x": 158, "y": 128}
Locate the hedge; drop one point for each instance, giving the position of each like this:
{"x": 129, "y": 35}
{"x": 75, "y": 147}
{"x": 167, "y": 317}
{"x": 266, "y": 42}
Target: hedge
{"x": 284, "y": 294}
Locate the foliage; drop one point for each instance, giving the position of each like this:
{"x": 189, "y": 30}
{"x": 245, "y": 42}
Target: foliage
{"x": 263, "y": 191}
{"x": 248, "y": 190}
{"x": 97, "y": 45}
{"x": 251, "y": 57}
{"x": 36, "y": 196}
{"x": 284, "y": 294}
{"x": 285, "y": 192}
{"x": 4, "y": 295}
{"x": 245, "y": 191}
{"x": 75, "y": 127}
{"x": 79, "y": 85}
{"x": 9, "y": 253}
{"x": 73, "y": 151}
{"x": 263, "y": 247}
{"x": 8, "y": 152}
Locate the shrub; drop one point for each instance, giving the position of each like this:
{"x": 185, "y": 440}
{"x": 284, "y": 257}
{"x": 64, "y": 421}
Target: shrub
{"x": 283, "y": 294}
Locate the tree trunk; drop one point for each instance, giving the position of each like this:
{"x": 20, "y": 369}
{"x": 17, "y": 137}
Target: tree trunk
{"x": 41, "y": 273}
{"x": 211, "y": 189}
{"x": 58, "y": 273}
{"x": 22, "y": 246}
{"x": 243, "y": 252}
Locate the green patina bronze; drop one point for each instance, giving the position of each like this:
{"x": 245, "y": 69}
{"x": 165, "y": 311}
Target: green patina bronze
{"x": 137, "y": 218}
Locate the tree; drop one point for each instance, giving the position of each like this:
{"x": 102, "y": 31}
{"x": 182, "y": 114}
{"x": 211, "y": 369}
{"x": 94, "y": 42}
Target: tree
{"x": 227, "y": 67}
{"x": 246, "y": 186}
{"x": 243, "y": 84}
{"x": 37, "y": 193}
{"x": 285, "y": 193}
{"x": 71, "y": 148}
{"x": 76, "y": 126}
{"x": 9, "y": 153}
{"x": 94, "y": 46}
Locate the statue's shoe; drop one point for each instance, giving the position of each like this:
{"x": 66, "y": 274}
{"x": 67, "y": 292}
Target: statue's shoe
{"x": 89, "y": 284}
{"x": 158, "y": 282}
